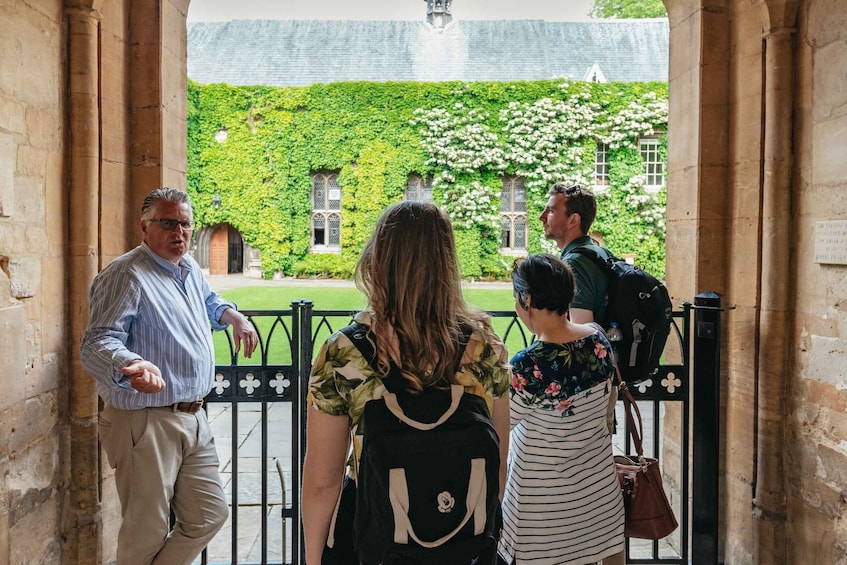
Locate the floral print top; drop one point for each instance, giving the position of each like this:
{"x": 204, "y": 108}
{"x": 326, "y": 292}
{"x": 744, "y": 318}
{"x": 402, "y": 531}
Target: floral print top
{"x": 548, "y": 376}
{"x": 342, "y": 381}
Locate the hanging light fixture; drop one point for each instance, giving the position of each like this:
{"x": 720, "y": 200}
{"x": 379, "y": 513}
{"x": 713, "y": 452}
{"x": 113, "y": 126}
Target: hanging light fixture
{"x": 216, "y": 201}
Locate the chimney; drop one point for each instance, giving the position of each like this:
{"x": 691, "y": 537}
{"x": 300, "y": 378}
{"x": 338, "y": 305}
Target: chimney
{"x": 438, "y": 13}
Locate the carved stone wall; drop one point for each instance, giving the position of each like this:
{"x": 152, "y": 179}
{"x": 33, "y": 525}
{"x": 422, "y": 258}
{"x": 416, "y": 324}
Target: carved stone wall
{"x": 758, "y": 127}
{"x": 33, "y": 334}
{"x": 816, "y": 407}
{"x": 85, "y": 132}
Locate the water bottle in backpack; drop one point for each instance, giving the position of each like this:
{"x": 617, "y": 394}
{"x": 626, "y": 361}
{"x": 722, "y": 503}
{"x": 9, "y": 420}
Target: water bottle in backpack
{"x": 615, "y": 337}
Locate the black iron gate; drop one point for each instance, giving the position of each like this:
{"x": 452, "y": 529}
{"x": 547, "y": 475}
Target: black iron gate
{"x": 259, "y": 405}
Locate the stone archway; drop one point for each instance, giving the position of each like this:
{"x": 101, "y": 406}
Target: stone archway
{"x": 726, "y": 185}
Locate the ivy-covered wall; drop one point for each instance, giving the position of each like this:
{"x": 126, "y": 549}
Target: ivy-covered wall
{"x": 256, "y": 147}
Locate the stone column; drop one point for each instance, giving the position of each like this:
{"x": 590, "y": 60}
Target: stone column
{"x": 158, "y": 108}
{"x": 83, "y": 517}
{"x": 769, "y": 497}
{"x": 146, "y": 138}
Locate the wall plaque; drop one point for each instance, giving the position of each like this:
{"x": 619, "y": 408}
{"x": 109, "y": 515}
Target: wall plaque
{"x": 831, "y": 242}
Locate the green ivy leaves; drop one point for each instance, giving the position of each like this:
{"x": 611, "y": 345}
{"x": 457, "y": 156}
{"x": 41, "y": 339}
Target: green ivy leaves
{"x": 257, "y": 146}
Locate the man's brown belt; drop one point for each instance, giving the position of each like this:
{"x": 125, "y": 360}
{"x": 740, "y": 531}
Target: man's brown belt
{"x": 190, "y": 407}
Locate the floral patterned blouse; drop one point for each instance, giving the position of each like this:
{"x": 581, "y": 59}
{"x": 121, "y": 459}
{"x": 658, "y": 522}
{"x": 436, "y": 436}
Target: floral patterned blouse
{"x": 547, "y": 375}
{"x": 342, "y": 381}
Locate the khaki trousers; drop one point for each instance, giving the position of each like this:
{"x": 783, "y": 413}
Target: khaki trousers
{"x": 163, "y": 459}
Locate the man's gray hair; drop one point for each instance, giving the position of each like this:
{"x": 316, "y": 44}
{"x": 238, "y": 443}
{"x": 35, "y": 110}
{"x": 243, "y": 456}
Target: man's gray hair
{"x": 166, "y": 194}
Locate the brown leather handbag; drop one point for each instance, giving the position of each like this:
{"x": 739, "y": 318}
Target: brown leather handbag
{"x": 648, "y": 512}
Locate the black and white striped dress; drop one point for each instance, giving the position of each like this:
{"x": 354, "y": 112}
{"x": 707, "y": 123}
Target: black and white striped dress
{"x": 562, "y": 502}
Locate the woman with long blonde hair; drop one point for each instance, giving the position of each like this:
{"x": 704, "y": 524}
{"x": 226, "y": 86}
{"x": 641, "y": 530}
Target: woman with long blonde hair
{"x": 416, "y": 318}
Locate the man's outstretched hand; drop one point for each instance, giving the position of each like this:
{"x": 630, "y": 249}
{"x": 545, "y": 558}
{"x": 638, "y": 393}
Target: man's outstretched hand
{"x": 144, "y": 376}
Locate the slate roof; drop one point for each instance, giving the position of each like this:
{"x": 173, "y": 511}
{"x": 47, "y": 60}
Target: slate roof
{"x": 303, "y": 52}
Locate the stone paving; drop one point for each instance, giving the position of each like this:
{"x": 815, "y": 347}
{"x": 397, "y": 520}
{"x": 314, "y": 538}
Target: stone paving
{"x": 250, "y": 479}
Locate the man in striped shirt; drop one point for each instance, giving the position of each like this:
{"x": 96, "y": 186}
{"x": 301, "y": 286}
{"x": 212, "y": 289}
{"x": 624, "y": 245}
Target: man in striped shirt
{"x": 149, "y": 349}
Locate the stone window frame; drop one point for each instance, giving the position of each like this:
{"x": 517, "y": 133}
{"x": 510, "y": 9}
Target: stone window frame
{"x": 418, "y": 189}
{"x": 325, "y": 223}
{"x": 601, "y": 167}
{"x": 654, "y": 168}
{"x": 514, "y": 223}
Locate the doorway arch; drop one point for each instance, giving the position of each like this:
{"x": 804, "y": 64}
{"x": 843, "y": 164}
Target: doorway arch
{"x": 220, "y": 249}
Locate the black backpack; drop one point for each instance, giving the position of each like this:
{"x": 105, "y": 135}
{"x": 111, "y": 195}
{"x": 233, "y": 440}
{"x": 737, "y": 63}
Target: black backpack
{"x": 640, "y": 305}
{"x": 428, "y": 476}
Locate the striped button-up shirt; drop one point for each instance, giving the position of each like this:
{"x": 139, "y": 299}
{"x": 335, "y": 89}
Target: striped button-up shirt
{"x": 144, "y": 307}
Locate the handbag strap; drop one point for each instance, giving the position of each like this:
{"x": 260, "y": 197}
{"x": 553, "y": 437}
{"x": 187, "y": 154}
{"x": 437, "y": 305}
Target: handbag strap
{"x": 630, "y": 408}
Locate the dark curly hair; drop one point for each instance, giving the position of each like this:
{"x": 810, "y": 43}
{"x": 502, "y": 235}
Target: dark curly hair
{"x": 547, "y": 279}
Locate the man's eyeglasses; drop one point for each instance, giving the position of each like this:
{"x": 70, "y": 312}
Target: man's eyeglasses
{"x": 169, "y": 223}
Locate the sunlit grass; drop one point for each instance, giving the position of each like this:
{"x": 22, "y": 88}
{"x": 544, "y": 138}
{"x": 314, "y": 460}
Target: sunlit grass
{"x": 275, "y": 330}
{"x": 281, "y": 297}
{"x": 345, "y": 298}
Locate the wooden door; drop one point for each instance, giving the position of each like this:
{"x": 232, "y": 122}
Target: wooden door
{"x": 219, "y": 250}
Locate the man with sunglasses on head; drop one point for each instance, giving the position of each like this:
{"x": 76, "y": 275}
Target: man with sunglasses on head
{"x": 149, "y": 348}
{"x": 568, "y": 216}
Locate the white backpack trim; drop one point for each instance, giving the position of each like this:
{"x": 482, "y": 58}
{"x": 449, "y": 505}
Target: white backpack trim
{"x": 398, "y": 494}
{"x": 456, "y": 392}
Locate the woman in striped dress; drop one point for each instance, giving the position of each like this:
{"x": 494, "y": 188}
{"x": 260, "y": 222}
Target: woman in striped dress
{"x": 562, "y": 503}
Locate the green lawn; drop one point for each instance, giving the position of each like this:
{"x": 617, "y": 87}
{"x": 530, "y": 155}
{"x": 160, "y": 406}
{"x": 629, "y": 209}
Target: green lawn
{"x": 274, "y": 331}
{"x": 280, "y": 297}
{"x": 326, "y": 298}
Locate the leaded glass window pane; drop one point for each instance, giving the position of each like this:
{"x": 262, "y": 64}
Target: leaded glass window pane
{"x": 334, "y": 194}
{"x": 506, "y": 197}
{"x": 520, "y": 196}
{"x": 505, "y": 233}
{"x": 334, "y": 230}
{"x": 601, "y": 165}
{"x": 520, "y": 232}
{"x": 318, "y": 193}
{"x": 418, "y": 189}
{"x": 326, "y": 221}
{"x": 654, "y": 170}
{"x": 513, "y": 222}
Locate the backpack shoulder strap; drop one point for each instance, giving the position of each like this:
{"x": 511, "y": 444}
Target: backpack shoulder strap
{"x": 357, "y": 333}
{"x": 593, "y": 253}
{"x": 359, "y": 336}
